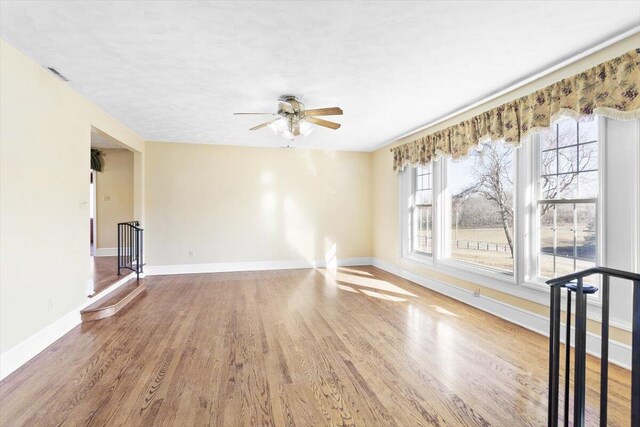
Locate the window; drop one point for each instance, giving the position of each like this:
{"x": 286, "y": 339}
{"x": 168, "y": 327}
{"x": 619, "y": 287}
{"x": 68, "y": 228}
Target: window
{"x": 421, "y": 210}
{"x": 567, "y": 203}
{"x": 480, "y": 207}
{"x": 509, "y": 219}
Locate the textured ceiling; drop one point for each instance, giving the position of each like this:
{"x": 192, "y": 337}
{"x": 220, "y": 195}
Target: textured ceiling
{"x": 176, "y": 71}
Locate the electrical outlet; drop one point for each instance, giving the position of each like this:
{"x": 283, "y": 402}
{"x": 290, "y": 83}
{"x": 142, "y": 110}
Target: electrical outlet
{"x": 107, "y": 198}
{"x": 476, "y": 293}
{"x": 50, "y": 304}
{"x": 190, "y": 254}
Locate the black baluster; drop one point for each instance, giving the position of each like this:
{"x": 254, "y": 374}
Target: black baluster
{"x": 119, "y": 249}
{"x": 567, "y": 360}
{"x": 635, "y": 356}
{"x": 137, "y": 254}
{"x": 554, "y": 356}
{"x": 141, "y": 250}
{"x": 604, "y": 352}
{"x": 580, "y": 356}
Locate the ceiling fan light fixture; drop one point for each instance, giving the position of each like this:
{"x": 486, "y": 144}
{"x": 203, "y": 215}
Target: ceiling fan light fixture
{"x": 278, "y": 126}
{"x": 286, "y": 134}
{"x": 305, "y": 128}
{"x": 295, "y": 120}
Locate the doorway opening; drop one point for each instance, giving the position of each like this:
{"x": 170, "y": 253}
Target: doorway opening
{"x": 111, "y": 201}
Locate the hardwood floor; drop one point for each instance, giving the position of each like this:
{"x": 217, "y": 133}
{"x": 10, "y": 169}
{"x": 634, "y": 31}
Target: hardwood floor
{"x": 105, "y": 272}
{"x": 295, "y": 347}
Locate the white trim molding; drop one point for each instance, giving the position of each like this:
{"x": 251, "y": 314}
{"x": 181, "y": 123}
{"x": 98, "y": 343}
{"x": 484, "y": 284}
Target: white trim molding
{"x": 20, "y": 354}
{"x": 221, "y": 267}
{"x": 619, "y": 353}
{"x": 106, "y": 252}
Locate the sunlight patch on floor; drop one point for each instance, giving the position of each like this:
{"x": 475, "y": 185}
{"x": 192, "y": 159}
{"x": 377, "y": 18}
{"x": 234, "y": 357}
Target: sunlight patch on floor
{"x": 382, "y": 296}
{"x": 338, "y": 279}
{"x": 381, "y": 285}
{"x": 354, "y": 271}
{"x": 330, "y": 255}
{"x": 346, "y": 288}
{"x": 442, "y": 310}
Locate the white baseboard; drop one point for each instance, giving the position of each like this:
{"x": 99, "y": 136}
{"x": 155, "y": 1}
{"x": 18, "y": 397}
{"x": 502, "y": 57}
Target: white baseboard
{"x": 158, "y": 270}
{"x": 20, "y": 354}
{"x": 619, "y": 353}
{"x": 106, "y": 252}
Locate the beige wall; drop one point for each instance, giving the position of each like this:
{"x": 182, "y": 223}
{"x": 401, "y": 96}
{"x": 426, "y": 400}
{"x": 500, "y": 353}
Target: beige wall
{"x": 45, "y": 135}
{"x": 385, "y": 196}
{"x": 114, "y": 195}
{"x": 237, "y": 204}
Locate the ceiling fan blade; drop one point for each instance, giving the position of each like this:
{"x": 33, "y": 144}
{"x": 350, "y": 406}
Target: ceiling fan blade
{"x": 262, "y": 125}
{"x": 261, "y": 114}
{"x": 330, "y": 111}
{"x": 325, "y": 123}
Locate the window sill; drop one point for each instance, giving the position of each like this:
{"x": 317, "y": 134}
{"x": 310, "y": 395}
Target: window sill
{"x": 421, "y": 258}
{"x": 487, "y": 278}
{"x": 473, "y": 273}
{"x": 537, "y": 284}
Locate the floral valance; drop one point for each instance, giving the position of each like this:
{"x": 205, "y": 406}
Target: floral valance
{"x": 611, "y": 89}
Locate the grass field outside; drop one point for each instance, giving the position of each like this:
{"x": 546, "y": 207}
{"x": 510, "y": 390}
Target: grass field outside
{"x": 489, "y": 247}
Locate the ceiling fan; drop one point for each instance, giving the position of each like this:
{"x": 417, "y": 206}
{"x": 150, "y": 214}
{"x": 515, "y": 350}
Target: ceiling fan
{"x": 293, "y": 120}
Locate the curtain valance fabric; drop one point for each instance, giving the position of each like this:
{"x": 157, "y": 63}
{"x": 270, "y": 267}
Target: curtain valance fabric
{"x": 610, "y": 89}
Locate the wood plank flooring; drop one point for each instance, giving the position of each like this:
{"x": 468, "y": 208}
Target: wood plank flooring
{"x": 104, "y": 270}
{"x": 296, "y": 347}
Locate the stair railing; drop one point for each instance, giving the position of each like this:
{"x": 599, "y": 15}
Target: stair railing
{"x": 574, "y": 283}
{"x": 130, "y": 247}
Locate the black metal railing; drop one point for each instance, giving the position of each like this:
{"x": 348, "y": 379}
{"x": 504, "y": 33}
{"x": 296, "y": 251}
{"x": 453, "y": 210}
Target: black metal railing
{"x": 574, "y": 283}
{"x": 130, "y": 246}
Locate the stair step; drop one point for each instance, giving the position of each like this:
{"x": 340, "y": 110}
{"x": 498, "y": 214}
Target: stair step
{"x": 114, "y": 302}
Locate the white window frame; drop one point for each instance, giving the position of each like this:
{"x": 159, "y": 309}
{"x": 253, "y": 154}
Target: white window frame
{"x": 444, "y": 253}
{"x": 532, "y": 167}
{"x": 407, "y": 191}
{"x": 523, "y": 283}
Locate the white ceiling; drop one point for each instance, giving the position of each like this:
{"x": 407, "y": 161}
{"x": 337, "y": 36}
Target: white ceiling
{"x": 176, "y": 71}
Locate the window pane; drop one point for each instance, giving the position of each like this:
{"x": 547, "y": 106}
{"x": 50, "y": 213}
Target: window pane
{"x": 422, "y": 211}
{"x": 423, "y": 230}
{"x": 588, "y": 157}
{"x": 481, "y": 189}
{"x": 567, "y": 159}
{"x": 586, "y": 232}
{"x": 548, "y": 138}
{"x": 546, "y": 266}
{"x": 588, "y": 131}
{"x": 549, "y": 187}
{"x": 567, "y": 186}
{"x": 567, "y": 231}
{"x": 588, "y": 185}
{"x": 567, "y": 132}
{"x": 546, "y": 229}
{"x": 549, "y": 162}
